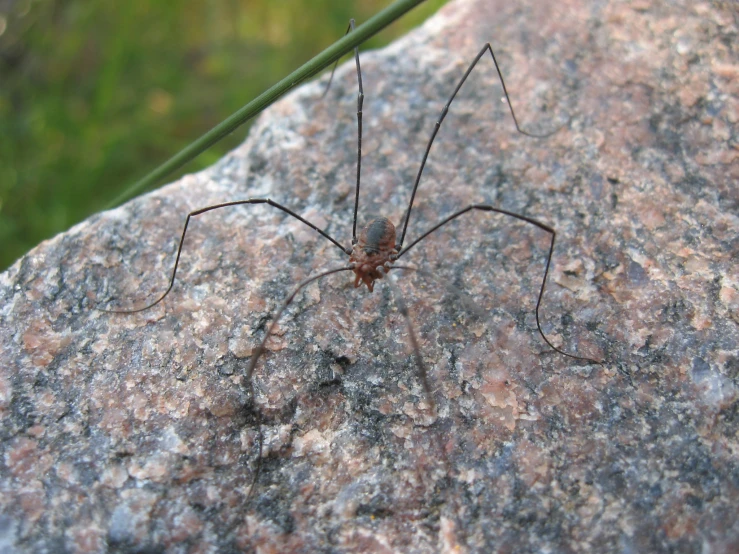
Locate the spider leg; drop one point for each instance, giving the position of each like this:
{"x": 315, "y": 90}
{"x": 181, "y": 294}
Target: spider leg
{"x": 462, "y": 296}
{"x": 336, "y": 63}
{"x": 257, "y": 353}
{"x": 216, "y": 207}
{"x": 423, "y": 377}
{"x": 445, "y": 110}
{"x": 548, "y": 229}
{"x": 422, "y": 373}
{"x": 360, "y": 103}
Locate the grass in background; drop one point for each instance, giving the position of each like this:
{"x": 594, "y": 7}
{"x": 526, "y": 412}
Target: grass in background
{"x": 94, "y": 95}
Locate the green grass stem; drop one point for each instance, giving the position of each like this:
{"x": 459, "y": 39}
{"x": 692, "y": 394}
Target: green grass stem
{"x": 271, "y": 95}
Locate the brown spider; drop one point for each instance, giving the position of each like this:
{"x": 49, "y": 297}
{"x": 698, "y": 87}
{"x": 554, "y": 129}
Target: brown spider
{"x": 377, "y": 248}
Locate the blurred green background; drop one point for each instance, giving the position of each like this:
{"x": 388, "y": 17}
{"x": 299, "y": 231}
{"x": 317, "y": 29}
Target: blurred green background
{"x": 94, "y": 95}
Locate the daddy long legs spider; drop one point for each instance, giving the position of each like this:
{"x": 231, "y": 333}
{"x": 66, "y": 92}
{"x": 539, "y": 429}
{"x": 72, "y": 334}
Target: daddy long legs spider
{"x": 377, "y": 249}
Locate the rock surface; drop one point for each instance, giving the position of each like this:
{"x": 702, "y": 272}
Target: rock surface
{"x": 135, "y": 433}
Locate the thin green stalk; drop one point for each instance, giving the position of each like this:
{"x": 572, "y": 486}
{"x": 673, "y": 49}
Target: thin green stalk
{"x": 261, "y": 102}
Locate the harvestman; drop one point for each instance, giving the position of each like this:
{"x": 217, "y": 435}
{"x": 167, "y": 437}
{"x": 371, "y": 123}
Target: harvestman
{"x": 376, "y": 249}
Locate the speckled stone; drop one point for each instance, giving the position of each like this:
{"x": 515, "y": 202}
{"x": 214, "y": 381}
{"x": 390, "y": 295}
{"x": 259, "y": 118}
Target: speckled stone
{"x": 135, "y": 433}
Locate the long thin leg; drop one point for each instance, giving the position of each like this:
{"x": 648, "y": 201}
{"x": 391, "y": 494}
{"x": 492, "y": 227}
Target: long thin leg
{"x": 360, "y": 103}
{"x": 257, "y": 353}
{"x": 444, "y": 111}
{"x": 462, "y": 296}
{"x": 422, "y": 373}
{"x": 423, "y": 377}
{"x": 336, "y": 63}
{"x": 550, "y": 230}
{"x": 216, "y": 207}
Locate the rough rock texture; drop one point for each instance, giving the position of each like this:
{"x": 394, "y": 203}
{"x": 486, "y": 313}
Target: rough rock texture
{"x": 135, "y": 433}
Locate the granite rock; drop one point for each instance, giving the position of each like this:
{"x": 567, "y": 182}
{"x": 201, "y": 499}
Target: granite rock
{"x": 136, "y": 432}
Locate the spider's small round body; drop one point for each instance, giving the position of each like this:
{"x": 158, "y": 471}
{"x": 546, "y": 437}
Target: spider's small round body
{"x": 375, "y": 248}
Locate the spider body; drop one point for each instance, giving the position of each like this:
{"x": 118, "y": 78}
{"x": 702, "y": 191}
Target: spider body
{"x": 373, "y": 253}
